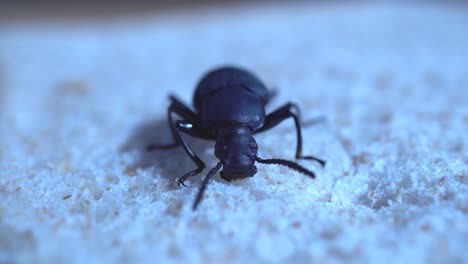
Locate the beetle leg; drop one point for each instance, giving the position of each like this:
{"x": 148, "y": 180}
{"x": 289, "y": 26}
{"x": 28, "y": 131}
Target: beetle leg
{"x": 183, "y": 111}
{"x": 190, "y": 129}
{"x": 205, "y": 181}
{"x": 282, "y": 113}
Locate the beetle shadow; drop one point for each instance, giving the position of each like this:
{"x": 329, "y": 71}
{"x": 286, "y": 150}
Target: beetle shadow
{"x": 171, "y": 163}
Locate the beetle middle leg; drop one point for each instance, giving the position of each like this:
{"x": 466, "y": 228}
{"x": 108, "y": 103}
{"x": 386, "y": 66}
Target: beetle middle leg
{"x": 282, "y": 113}
{"x": 183, "y": 111}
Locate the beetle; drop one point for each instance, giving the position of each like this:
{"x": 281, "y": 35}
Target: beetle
{"x": 230, "y": 108}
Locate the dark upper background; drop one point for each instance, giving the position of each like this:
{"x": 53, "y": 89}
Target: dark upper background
{"x": 26, "y": 10}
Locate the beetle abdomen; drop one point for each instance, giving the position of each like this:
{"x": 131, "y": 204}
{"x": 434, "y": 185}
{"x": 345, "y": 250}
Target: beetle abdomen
{"x": 228, "y": 76}
{"x": 231, "y": 103}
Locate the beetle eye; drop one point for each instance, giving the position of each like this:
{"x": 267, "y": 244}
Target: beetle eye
{"x": 253, "y": 145}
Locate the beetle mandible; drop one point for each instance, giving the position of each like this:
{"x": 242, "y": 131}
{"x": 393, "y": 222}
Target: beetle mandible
{"x": 230, "y": 108}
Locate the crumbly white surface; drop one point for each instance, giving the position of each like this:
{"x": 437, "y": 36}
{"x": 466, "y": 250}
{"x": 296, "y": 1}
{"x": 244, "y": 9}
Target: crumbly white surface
{"x": 80, "y": 100}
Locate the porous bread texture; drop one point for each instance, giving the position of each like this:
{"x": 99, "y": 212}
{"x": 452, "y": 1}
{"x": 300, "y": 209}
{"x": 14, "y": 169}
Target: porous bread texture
{"x": 81, "y": 100}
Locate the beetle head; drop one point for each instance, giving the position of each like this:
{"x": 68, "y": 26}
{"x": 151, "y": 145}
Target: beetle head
{"x": 237, "y": 150}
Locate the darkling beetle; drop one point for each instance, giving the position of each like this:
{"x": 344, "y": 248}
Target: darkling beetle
{"x": 230, "y": 108}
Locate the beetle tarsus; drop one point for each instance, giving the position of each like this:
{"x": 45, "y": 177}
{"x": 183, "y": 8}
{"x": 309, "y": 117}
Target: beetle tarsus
{"x": 182, "y": 179}
{"x": 321, "y": 161}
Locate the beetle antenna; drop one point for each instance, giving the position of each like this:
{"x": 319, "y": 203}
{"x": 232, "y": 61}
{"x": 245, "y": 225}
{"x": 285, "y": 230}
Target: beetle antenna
{"x": 208, "y": 177}
{"x": 290, "y": 164}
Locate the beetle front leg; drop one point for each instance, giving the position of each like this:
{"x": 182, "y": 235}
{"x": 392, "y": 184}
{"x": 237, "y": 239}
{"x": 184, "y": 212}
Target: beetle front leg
{"x": 190, "y": 129}
{"x": 282, "y": 113}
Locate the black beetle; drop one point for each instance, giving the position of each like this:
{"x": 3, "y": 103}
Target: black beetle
{"x": 230, "y": 108}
